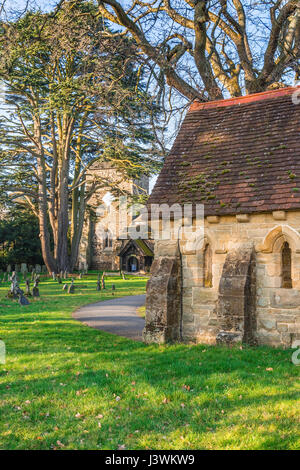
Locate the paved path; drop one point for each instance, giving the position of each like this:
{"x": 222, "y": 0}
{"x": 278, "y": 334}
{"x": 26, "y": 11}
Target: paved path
{"x": 116, "y": 316}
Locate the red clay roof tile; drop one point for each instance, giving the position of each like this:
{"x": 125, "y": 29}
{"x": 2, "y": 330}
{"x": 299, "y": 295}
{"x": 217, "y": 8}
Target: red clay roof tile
{"x": 236, "y": 155}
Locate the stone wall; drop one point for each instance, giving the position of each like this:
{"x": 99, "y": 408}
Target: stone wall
{"x": 163, "y": 309}
{"x": 273, "y": 318}
{"x": 92, "y": 251}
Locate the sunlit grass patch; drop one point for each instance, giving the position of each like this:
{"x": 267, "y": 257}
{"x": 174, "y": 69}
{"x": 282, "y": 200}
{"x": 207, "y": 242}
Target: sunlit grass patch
{"x": 68, "y": 386}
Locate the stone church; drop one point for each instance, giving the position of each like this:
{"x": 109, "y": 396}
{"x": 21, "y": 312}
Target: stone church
{"x": 240, "y": 282}
{"x": 101, "y": 246}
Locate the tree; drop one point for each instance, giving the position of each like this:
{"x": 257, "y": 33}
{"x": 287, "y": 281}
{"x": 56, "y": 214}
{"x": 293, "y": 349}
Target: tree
{"x": 78, "y": 98}
{"x": 19, "y": 235}
{"x": 204, "y": 48}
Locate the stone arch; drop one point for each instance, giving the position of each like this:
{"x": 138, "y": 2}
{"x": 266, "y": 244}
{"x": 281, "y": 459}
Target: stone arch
{"x": 107, "y": 239}
{"x": 275, "y": 238}
{"x": 203, "y": 240}
{"x": 204, "y": 249}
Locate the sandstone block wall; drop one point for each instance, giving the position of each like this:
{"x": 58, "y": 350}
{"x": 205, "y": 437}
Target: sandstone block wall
{"x": 276, "y": 320}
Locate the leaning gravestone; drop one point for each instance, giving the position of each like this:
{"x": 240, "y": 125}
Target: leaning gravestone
{"x": 38, "y": 268}
{"x": 17, "y": 268}
{"x": 71, "y": 287}
{"x": 8, "y": 269}
{"x": 35, "y": 289}
{"x": 27, "y": 293}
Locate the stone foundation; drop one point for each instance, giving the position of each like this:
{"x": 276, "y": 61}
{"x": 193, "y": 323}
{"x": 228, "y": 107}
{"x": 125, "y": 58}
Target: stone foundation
{"x": 163, "y": 301}
{"x": 247, "y": 301}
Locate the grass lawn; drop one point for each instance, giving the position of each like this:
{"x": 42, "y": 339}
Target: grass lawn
{"x": 67, "y": 386}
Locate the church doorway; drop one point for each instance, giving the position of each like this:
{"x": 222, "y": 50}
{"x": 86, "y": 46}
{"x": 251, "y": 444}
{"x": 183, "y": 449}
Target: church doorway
{"x": 133, "y": 264}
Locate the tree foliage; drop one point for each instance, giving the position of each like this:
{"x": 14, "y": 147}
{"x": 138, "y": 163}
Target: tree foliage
{"x": 78, "y": 98}
{"x": 19, "y": 238}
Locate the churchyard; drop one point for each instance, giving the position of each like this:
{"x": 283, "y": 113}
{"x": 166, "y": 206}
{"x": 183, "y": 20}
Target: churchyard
{"x": 67, "y": 386}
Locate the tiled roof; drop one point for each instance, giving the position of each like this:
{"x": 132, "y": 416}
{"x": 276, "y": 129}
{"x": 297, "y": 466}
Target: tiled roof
{"x": 236, "y": 155}
{"x": 144, "y": 246}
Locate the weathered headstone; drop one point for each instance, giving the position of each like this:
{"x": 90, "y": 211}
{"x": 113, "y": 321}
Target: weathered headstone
{"x": 17, "y": 268}
{"x": 38, "y": 268}
{"x": 8, "y": 269}
{"x": 59, "y": 279}
{"x": 98, "y": 288}
{"x": 71, "y": 289}
{"x": 35, "y": 289}
{"x": 65, "y": 286}
{"x": 24, "y": 269}
{"x": 28, "y": 293}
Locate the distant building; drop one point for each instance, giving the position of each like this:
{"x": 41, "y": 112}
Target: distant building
{"x": 101, "y": 247}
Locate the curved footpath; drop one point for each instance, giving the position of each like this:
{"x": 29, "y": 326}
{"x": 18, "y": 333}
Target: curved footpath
{"x": 116, "y": 316}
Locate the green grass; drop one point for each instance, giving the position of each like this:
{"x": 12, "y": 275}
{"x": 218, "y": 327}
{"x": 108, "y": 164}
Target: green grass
{"x": 141, "y": 311}
{"x": 67, "y": 386}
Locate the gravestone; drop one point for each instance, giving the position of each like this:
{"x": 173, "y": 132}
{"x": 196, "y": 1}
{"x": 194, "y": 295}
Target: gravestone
{"x": 38, "y": 268}
{"x": 44, "y": 269}
{"x": 59, "y": 279}
{"x": 98, "y": 288}
{"x": 71, "y": 289}
{"x": 24, "y": 269}
{"x": 28, "y": 293}
{"x": 35, "y": 289}
{"x": 17, "y": 268}
{"x": 8, "y": 269}
{"x": 65, "y": 286}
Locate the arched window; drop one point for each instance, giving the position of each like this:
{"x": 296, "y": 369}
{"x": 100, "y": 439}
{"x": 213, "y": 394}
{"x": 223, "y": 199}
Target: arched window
{"x": 207, "y": 266}
{"x": 107, "y": 239}
{"x": 286, "y": 266}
